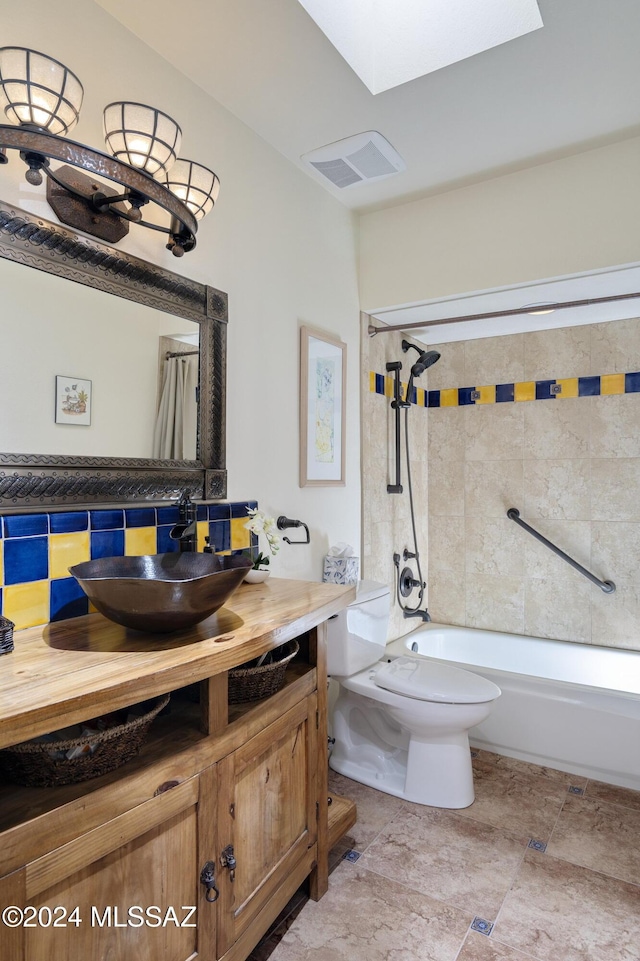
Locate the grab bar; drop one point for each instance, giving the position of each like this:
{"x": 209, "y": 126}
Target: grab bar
{"x": 607, "y": 586}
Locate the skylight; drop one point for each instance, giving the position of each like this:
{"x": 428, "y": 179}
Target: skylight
{"x": 389, "y": 43}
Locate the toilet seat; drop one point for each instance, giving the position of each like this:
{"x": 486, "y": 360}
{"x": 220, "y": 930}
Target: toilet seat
{"x": 426, "y": 680}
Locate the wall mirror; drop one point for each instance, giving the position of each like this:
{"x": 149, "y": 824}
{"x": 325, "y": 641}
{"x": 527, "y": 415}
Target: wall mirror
{"x": 83, "y": 334}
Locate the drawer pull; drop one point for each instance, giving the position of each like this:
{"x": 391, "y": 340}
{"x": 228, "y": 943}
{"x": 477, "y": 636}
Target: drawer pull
{"x": 208, "y": 878}
{"x": 227, "y": 860}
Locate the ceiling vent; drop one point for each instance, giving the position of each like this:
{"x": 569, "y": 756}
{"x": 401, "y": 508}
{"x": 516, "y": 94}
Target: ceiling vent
{"x": 359, "y": 159}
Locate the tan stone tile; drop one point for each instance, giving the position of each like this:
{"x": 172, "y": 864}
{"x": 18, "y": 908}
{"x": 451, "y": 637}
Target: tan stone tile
{"x": 493, "y": 360}
{"x": 562, "y": 912}
{"x": 446, "y": 596}
{"x": 557, "y": 428}
{"x": 557, "y": 353}
{"x": 375, "y": 809}
{"x": 478, "y": 947}
{"x": 492, "y": 487}
{"x": 455, "y": 859}
{"x": 494, "y": 431}
{"x": 495, "y": 602}
{"x": 446, "y": 543}
{"x": 558, "y": 489}
{"x": 615, "y": 489}
{"x": 511, "y": 801}
{"x": 502, "y": 762}
{"x": 615, "y": 347}
{"x": 362, "y": 918}
{"x": 615, "y": 423}
{"x": 445, "y": 427}
{"x": 600, "y": 836}
{"x": 615, "y": 617}
{"x": 446, "y": 488}
{"x": 615, "y": 549}
{"x": 493, "y": 546}
{"x": 613, "y": 794}
{"x": 558, "y": 606}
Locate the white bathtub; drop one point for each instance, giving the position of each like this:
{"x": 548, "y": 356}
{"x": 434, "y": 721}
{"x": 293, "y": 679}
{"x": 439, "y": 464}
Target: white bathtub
{"x": 569, "y": 706}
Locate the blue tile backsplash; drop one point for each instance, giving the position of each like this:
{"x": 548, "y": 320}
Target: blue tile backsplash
{"x": 36, "y": 551}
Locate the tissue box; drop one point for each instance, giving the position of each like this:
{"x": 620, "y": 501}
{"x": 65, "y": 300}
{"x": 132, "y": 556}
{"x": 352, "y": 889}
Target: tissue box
{"x": 340, "y": 570}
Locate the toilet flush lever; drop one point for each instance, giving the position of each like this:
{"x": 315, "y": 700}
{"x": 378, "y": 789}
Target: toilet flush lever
{"x": 284, "y": 523}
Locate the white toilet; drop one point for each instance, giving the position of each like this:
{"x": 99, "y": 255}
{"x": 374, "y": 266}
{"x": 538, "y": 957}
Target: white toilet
{"x": 400, "y": 725}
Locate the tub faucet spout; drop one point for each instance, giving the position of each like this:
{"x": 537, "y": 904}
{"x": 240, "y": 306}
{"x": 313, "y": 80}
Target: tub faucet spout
{"x": 425, "y": 615}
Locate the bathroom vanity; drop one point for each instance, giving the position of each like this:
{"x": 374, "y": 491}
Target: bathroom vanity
{"x": 211, "y": 829}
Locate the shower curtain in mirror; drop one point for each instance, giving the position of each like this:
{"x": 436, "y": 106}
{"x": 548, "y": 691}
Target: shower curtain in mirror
{"x": 176, "y": 424}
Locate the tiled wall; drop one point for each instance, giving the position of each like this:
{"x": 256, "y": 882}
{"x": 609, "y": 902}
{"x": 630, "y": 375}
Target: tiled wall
{"x": 570, "y": 462}
{"x": 36, "y": 551}
{"x": 556, "y": 433}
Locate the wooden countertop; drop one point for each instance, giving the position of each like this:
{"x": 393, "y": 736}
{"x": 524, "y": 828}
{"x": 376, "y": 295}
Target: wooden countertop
{"x": 72, "y": 670}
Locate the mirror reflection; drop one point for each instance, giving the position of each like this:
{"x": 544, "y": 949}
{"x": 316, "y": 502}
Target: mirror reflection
{"x": 86, "y": 373}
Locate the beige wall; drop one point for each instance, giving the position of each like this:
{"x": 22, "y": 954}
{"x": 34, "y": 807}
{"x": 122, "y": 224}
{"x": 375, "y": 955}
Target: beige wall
{"x": 282, "y": 248}
{"x": 571, "y": 466}
{"x": 386, "y": 517}
{"x": 564, "y": 217}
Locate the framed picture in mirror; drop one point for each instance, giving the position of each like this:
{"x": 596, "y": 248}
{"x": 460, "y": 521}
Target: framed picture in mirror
{"x": 73, "y": 401}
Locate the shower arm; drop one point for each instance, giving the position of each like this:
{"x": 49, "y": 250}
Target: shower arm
{"x": 608, "y": 587}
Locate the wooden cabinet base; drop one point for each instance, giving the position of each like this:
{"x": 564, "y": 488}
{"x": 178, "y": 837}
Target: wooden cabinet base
{"x": 224, "y": 811}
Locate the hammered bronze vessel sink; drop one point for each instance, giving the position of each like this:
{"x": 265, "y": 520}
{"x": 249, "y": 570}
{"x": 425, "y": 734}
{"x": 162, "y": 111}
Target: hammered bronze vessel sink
{"x": 161, "y": 592}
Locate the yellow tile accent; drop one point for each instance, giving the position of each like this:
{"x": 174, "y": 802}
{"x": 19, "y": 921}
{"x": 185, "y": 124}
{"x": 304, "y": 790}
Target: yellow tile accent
{"x": 372, "y": 381}
{"x": 27, "y": 605}
{"x": 65, "y": 550}
{"x": 203, "y": 531}
{"x": 388, "y": 387}
{"x": 487, "y": 394}
{"x": 139, "y": 541}
{"x": 525, "y": 390}
{"x": 449, "y": 398}
{"x": 420, "y": 396}
{"x": 240, "y": 536}
{"x": 612, "y": 384}
{"x": 570, "y": 387}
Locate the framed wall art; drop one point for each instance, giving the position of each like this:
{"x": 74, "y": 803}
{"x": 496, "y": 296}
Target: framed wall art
{"x": 323, "y": 382}
{"x": 73, "y": 401}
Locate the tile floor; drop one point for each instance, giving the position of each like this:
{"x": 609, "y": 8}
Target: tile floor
{"x": 544, "y": 866}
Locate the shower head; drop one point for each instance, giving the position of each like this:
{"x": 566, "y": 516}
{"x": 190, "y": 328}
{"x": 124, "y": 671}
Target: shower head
{"x": 427, "y": 359}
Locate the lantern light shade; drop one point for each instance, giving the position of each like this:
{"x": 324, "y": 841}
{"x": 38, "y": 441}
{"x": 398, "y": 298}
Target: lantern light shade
{"x": 142, "y": 136}
{"x": 38, "y": 91}
{"x": 195, "y": 185}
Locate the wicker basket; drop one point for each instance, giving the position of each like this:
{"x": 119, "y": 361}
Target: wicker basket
{"x": 33, "y": 765}
{"x": 6, "y": 635}
{"x": 252, "y": 683}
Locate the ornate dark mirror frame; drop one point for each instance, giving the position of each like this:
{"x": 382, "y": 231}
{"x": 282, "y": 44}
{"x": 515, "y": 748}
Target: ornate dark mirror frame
{"x": 34, "y": 480}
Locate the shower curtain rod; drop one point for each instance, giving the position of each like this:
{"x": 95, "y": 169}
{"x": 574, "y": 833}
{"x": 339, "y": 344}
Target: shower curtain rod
{"x": 419, "y": 325}
{"x": 180, "y": 353}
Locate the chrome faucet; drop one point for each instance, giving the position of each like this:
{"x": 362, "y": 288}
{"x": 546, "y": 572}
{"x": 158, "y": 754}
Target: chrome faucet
{"x": 186, "y": 530}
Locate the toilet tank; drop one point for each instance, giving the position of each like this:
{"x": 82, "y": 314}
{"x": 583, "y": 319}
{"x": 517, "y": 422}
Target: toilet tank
{"x": 357, "y": 636}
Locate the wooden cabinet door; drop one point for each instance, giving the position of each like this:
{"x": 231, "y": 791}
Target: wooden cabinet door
{"x": 267, "y": 813}
{"x": 128, "y": 889}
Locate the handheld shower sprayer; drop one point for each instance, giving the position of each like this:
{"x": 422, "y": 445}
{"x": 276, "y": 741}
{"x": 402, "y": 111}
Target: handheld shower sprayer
{"x": 426, "y": 359}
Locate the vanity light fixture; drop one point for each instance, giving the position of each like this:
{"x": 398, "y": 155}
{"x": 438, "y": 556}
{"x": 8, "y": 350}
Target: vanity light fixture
{"x": 41, "y": 100}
